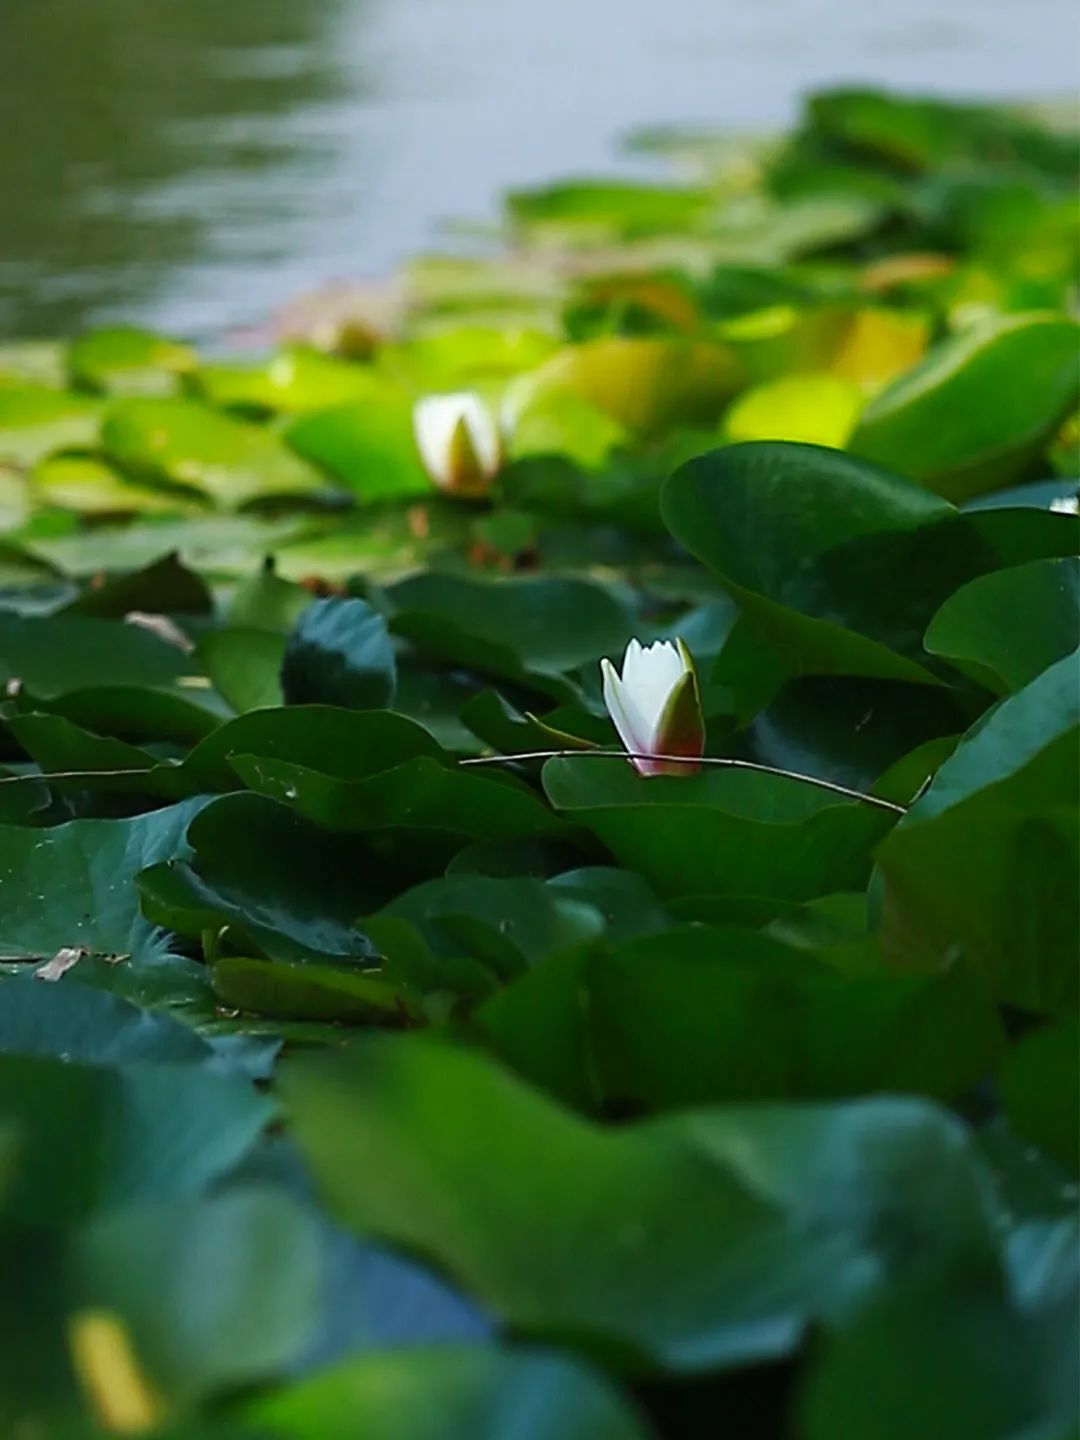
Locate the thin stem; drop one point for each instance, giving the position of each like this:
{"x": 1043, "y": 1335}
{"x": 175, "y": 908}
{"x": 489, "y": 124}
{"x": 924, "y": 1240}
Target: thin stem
{"x": 76, "y": 775}
{"x": 724, "y": 762}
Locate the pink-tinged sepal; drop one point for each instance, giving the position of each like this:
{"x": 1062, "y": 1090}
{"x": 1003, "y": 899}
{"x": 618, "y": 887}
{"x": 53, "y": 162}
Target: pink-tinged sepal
{"x": 682, "y": 728}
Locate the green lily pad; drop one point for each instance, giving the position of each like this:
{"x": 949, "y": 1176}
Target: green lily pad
{"x": 644, "y": 384}
{"x": 244, "y": 666}
{"x": 722, "y": 832}
{"x": 88, "y": 486}
{"x": 451, "y": 356}
{"x": 1006, "y": 628}
{"x": 369, "y": 447}
{"x": 816, "y": 409}
{"x": 836, "y": 564}
{"x": 98, "y": 1139}
{"x": 266, "y": 601}
{"x": 985, "y": 864}
{"x": 339, "y": 653}
{"x": 508, "y": 923}
{"x": 852, "y": 731}
{"x": 164, "y": 587}
{"x": 290, "y": 889}
{"x": 222, "y": 545}
{"x": 215, "y": 1293}
{"x": 605, "y": 209}
{"x": 529, "y": 630}
{"x": 59, "y": 747}
{"x": 349, "y": 745}
{"x": 918, "y": 133}
{"x": 1041, "y": 1088}
{"x": 73, "y": 885}
{"x": 421, "y": 794}
{"x": 140, "y": 713}
{"x": 186, "y": 444}
{"x": 127, "y": 361}
{"x": 463, "y": 1393}
{"x": 278, "y": 988}
{"x": 293, "y": 381}
{"x": 625, "y": 1289}
{"x": 619, "y": 1267}
{"x": 59, "y": 654}
{"x": 35, "y": 422}
{"x": 712, "y": 1014}
{"x": 991, "y": 1372}
{"x": 973, "y": 415}
{"x": 71, "y": 1021}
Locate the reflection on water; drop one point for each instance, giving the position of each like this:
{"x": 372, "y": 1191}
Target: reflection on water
{"x": 191, "y": 163}
{"x": 143, "y": 139}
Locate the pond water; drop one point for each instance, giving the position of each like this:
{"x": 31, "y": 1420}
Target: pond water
{"x": 191, "y": 164}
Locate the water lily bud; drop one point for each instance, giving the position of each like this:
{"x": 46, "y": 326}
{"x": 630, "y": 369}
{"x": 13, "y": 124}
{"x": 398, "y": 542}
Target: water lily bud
{"x": 459, "y": 442}
{"x": 655, "y": 705}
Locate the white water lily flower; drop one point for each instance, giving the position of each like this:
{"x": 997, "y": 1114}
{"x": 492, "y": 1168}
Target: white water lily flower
{"x": 655, "y": 705}
{"x": 459, "y": 441}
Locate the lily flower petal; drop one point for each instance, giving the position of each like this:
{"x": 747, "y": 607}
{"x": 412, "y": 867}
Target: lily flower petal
{"x": 655, "y": 705}
{"x": 458, "y": 440}
{"x": 633, "y": 729}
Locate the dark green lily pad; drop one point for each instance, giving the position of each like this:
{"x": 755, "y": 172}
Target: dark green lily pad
{"x": 96, "y": 1139}
{"x": 1004, "y": 629}
{"x": 72, "y": 885}
{"x": 339, "y": 653}
{"x": 292, "y": 890}
{"x": 723, "y": 832}
{"x": 985, "y": 864}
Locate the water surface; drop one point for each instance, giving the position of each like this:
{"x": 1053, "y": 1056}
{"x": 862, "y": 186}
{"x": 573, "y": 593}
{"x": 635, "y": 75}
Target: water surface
{"x": 191, "y": 164}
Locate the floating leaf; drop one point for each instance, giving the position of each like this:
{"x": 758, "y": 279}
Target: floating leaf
{"x": 72, "y": 884}
{"x": 97, "y": 1139}
{"x": 72, "y": 1021}
{"x": 129, "y": 362}
{"x": 837, "y": 565}
{"x": 421, "y": 794}
{"x": 290, "y": 889}
{"x": 61, "y": 654}
{"x": 244, "y": 666}
{"x": 817, "y": 409}
{"x": 339, "y": 653}
{"x": 215, "y": 1293}
{"x": 1041, "y": 1086}
{"x": 985, "y": 864}
{"x": 709, "y": 1014}
{"x": 619, "y": 1266}
{"x": 189, "y": 445}
{"x": 530, "y": 630}
{"x": 975, "y": 413}
{"x": 1004, "y": 629}
{"x": 727, "y": 832}
{"x": 605, "y": 209}
{"x": 88, "y": 486}
{"x": 35, "y": 422}
{"x": 643, "y": 384}
{"x": 465, "y": 1393}
{"x": 293, "y": 381}
{"x": 305, "y": 992}
{"x": 369, "y": 447}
